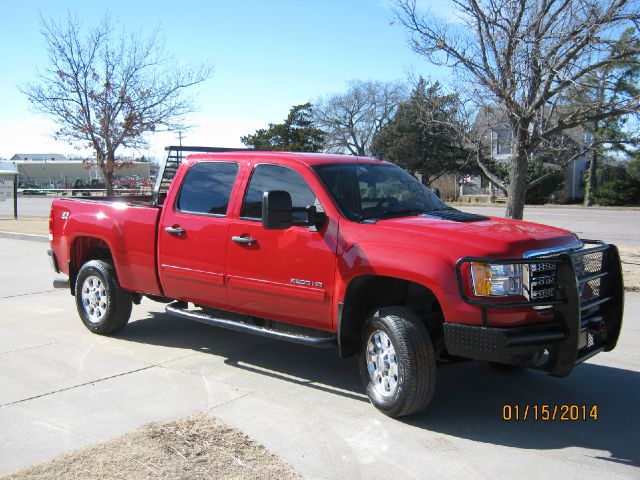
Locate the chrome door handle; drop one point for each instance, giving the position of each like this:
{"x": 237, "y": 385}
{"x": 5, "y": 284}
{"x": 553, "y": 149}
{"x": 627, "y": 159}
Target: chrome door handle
{"x": 174, "y": 231}
{"x": 244, "y": 240}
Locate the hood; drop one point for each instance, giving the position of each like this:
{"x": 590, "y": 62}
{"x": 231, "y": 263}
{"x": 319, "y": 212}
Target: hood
{"x": 491, "y": 236}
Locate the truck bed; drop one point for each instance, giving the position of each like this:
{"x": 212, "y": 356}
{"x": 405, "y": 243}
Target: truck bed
{"x": 126, "y": 225}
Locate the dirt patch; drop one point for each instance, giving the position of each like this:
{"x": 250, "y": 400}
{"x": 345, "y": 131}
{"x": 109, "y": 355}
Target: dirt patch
{"x": 630, "y": 258}
{"x": 197, "y": 447}
{"x": 32, "y": 225}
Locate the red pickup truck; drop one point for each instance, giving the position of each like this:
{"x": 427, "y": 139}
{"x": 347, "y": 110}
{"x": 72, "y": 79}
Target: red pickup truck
{"x": 331, "y": 250}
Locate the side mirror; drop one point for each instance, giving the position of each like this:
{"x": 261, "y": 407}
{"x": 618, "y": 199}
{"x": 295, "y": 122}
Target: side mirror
{"x": 315, "y": 218}
{"x": 277, "y": 211}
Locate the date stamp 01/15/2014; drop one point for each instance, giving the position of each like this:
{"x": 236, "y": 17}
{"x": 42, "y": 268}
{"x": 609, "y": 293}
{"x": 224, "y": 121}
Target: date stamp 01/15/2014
{"x": 549, "y": 412}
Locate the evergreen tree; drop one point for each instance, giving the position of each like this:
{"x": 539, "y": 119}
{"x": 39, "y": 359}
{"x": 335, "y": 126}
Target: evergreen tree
{"x": 296, "y": 134}
{"x": 614, "y": 83}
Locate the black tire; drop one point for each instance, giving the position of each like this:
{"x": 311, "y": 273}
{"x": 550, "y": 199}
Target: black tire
{"x": 103, "y": 306}
{"x": 415, "y": 362}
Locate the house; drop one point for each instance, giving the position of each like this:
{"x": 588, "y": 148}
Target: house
{"x": 495, "y": 133}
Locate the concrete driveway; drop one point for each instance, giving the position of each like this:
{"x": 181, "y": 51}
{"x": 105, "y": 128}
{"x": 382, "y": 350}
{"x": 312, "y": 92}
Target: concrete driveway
{"x": 63, "y": 388}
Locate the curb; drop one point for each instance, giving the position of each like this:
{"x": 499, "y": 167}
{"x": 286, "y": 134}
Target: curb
{"x": 25, "y": 236}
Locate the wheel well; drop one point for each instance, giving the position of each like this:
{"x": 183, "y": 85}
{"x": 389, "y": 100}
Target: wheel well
{"x": 84, "y": 249}
{"x": 369, "y": 292}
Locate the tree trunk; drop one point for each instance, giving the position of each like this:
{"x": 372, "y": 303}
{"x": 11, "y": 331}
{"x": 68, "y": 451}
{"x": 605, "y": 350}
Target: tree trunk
{"x": 110, "y": 164}
{"x": 517, "y": 190}
{"x": 108, "y": 182}
{"x": 591, "y": 180}
{"x": 591, "y": 175}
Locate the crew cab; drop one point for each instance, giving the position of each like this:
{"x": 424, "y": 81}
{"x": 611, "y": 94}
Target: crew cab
{"x": 340, "y": 251}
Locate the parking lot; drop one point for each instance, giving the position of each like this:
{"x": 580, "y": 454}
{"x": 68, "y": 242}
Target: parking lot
{"x": 64, "y": 388}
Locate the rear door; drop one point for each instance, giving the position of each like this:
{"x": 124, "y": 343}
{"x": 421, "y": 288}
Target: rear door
{"x": 286, "y": 274}
{"x": 193, "y": 233}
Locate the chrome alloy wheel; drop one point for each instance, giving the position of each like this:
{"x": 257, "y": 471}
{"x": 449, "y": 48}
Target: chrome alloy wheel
{"x": 94, "y": 298}
{"x": 382, "y": 363}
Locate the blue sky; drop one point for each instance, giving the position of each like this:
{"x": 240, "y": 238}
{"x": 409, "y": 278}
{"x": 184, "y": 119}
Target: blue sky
{"x": 267, "y": 56}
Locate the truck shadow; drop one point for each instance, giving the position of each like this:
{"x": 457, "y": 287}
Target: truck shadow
{"x": 320, "y": 369}
{"x": 469, "y": 397}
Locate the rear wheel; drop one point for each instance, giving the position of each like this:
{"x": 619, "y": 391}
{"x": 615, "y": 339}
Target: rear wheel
{"x": 103, "y": 306}
{"x": 397, "y": 362}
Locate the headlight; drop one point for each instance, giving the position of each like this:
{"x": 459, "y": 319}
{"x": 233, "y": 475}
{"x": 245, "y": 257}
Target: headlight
{"x": 496, "y": 280}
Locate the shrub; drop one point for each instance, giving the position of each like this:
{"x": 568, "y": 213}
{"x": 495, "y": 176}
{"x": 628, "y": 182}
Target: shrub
{"x": 624, "y": 191}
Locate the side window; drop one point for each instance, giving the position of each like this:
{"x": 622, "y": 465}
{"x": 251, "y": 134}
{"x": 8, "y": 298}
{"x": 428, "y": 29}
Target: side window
{"x": 207, "y": 188}
{"x": 266, "y": 178}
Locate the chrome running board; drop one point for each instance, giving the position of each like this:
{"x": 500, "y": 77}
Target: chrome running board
{"x": 179, "y": 309}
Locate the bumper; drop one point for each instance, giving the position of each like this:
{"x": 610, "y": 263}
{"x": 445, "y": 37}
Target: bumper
{"x": 587, "y": 307}
{"x": 57, "y": 282}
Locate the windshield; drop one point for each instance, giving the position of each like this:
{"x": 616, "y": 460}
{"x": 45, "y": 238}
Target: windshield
{"x": 376, "y": 190}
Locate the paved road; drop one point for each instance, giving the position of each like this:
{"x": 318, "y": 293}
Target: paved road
{"x": 618, "y": 226}
{"x": 28, "y": 206}
{"x": 62, "y": 388}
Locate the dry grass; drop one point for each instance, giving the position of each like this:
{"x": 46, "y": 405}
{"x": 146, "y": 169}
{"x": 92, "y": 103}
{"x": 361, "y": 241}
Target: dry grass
{"x": 197, "y": 447}
{"x": 32, "y": 225}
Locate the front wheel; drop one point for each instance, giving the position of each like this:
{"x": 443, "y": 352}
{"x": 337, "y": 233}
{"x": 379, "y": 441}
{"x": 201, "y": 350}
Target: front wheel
{"x": 103, "y": 306}
{"x": 397, "y": 362}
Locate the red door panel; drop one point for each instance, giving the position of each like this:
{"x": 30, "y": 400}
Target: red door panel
{"x": 194, "y": 231}
{"x": 192, "y": 265}
{"x": 285, "y": 275}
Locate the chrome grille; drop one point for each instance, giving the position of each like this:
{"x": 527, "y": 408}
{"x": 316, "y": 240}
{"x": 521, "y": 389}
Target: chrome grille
{"x": 540, "y": 280}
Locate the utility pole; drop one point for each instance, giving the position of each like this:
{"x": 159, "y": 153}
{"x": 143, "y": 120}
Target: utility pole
{"x": 180, "y": 140}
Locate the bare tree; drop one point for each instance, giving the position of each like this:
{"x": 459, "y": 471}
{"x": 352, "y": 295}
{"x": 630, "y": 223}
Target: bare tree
{"x": 352, "y": 119}
{"x": 521, "y": 56}
{"x": 108, "y": 90}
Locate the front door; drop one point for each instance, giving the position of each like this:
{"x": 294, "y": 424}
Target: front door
{"x": 193, "y": 233}
{"x": 288, "y": 274}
